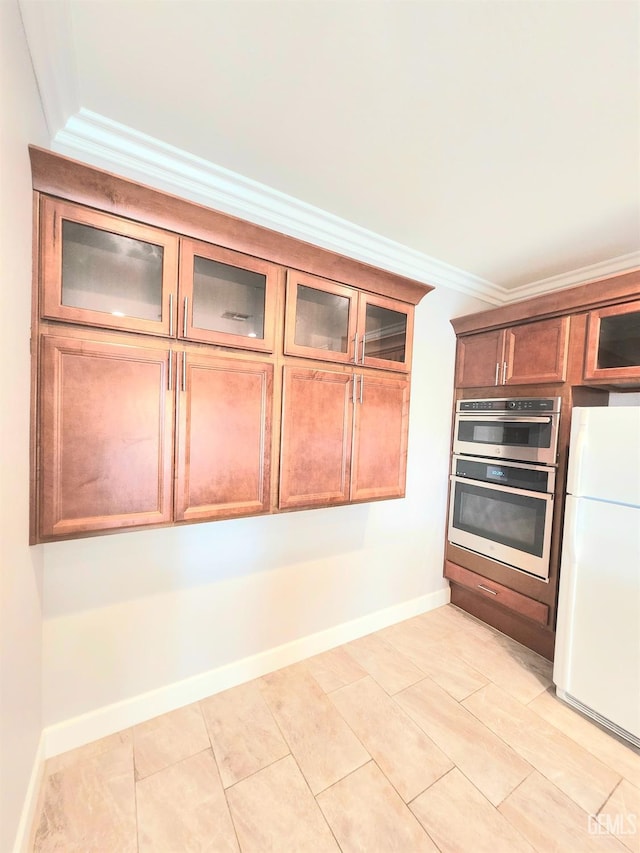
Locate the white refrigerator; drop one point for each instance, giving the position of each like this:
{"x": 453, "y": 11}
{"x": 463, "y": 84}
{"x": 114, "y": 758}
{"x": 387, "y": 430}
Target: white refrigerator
{"x": 597, "y": 655}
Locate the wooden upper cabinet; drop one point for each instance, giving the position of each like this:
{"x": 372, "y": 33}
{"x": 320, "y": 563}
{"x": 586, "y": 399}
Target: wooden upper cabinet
{"x": 102, "y": 270}
{"x": 479, "y": 359}
{"x": 320, "y": 319}
{"x": 385, "y": 332}
{"x": 379, "y": 463}
{"x": 106, "y": 436}
{"x": 223, "y": 437}
{"x": 536, "y": 352}
{"x": 526, "y": 354}
{"x": 226, "y": 297}
{"x": 613, "y": 344}
{"x": 317, "y": 425}
{"x": 332, "y": 322}
{"x": 344, "y": 437}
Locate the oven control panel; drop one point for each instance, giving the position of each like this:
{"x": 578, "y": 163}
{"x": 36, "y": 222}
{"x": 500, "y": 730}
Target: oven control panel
{"x": 512, "y": 404}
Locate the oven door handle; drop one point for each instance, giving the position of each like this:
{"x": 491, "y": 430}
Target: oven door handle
{"x": 511, "y": 490}
{"x": 518, "y": 418}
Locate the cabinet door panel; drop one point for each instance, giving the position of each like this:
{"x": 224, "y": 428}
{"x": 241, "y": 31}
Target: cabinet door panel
{"x": 479, "y": 361}
{"x": 106, "y": 436}
{"x": 101, "y": 270}
{"x": 320, "y": 318}
{"x": 386, "y": 333}
{"x": 613, "y": 343}
{"x": 224, "y": 437}
{"x": 316, "y": 437}
{"x": 537, "y": 352}
{"x": 380, "y": 439}
{"x": 226, "y": 297}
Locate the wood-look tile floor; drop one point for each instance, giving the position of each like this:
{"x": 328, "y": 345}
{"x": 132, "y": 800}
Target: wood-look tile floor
{"x": 435, "y": 734}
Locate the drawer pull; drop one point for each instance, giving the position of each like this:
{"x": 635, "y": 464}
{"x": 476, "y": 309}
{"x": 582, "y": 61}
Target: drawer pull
{"x": 486, "y": 589}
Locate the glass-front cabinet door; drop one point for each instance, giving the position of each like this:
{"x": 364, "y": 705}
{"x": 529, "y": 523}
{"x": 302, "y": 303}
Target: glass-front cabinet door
{"x": 613, "y": 343}
{"x": 386, "y": 332}
{"x": 321, "y": 318}
{"x": 102, "y": 270}
{"x": 226, "y": 297}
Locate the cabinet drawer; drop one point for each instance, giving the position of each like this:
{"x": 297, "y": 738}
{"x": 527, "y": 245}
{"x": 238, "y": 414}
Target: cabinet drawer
{"x": 498, "y": 593}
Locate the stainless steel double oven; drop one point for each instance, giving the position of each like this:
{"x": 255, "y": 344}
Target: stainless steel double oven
{"x": 503, "y": 480}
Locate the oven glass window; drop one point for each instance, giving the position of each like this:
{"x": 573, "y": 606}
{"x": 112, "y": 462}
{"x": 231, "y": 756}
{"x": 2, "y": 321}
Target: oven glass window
{"x": 507, "y": 433}
{"x": 517, "y": 521}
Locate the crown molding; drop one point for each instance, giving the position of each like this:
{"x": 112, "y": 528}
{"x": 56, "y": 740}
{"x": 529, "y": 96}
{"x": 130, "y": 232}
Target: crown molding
{"x": 49, "y": 33}
{"x": 110, "y": 145}
{"x": 582, "y": 275}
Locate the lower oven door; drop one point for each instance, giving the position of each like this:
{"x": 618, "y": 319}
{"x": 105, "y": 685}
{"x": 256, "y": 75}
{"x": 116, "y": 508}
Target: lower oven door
{"x": 512, "y": 526}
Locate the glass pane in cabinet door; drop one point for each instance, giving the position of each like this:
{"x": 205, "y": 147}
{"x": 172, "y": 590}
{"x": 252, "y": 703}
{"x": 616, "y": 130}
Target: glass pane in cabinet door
{"x": 111, "y": 273}
{"x": 228, "y": 299}
{"x": 322, "y": 319}
{"x": 619, "y": 343}
{"x": 385, "y": 333}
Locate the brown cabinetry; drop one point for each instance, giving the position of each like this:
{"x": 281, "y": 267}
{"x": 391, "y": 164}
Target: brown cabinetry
{"x": 105, "y": 435}
{"x": 613, "y": 344}
{"x": 106, "y": 271}
{"x": 226, "y": 298}
{"x": 529, "y": 353}
{"x": 333, "y": 322}
{"x": 223, "y": 436}
{"x": 344, "y": 437}
{"x": 161, "y": 337}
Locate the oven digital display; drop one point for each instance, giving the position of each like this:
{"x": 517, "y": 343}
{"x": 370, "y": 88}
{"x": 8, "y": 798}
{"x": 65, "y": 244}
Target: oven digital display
{"x": 496, "y": 473}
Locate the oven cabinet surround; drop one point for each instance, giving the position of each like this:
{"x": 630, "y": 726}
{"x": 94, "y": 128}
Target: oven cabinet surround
{"x": 344, "y": 436}
{"x": 527, "y": 354}
{"x": 568, "y": 321}
{"x": 164, "y": 388}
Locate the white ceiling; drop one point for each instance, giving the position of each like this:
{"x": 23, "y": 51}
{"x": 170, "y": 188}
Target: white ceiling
{"x": 501, "y": 138}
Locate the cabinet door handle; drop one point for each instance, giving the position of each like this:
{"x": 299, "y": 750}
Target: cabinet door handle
{"x": 363, "y": 343}
{"x": 486, "y": 589}
{"x": 353, "y": 390}
{"x": 171, "y": 315}
{"x": 497, "y": 371}
{"x": 170, "y": 370}
{"x": 184, "y": 371}
{"x": 504, "y": 372}
{"x": 361, "y": 387}
{"x": 184, "y": 319}
{"x": 355, "y": 348}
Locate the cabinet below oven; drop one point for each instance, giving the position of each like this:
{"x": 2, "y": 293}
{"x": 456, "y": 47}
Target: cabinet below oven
{"x": 497, "y": 593}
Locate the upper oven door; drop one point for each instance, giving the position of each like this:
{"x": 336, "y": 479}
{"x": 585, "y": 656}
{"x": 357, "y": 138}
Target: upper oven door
{"x": 529, "y": 438}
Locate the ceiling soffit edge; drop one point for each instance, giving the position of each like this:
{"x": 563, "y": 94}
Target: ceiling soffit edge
{"x": 111, "y": 145}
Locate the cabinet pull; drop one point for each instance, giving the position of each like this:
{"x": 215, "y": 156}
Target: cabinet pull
{"x": 497, "y": 371}
{"x": 363, "y": 343}
{"x": 184, "y": 371}
{"x": 353, "y": 390}
{"x": 355, "y": 349}
{"x": 361, "y": 386}
{"x": 170, "y": 370}
{"x": 504, "y": 372}
{"x": 184, "y": 319}
{"x": 171, "y": 315}
{"x": 486, "y": 589}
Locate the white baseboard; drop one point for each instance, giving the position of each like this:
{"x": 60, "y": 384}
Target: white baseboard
{"x": 104, "y": 721}
{"x": 22, "y": 842}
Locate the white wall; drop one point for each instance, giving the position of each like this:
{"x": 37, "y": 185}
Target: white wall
{"x": 136, "y": 611}
{"x": 21, "y": 122}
